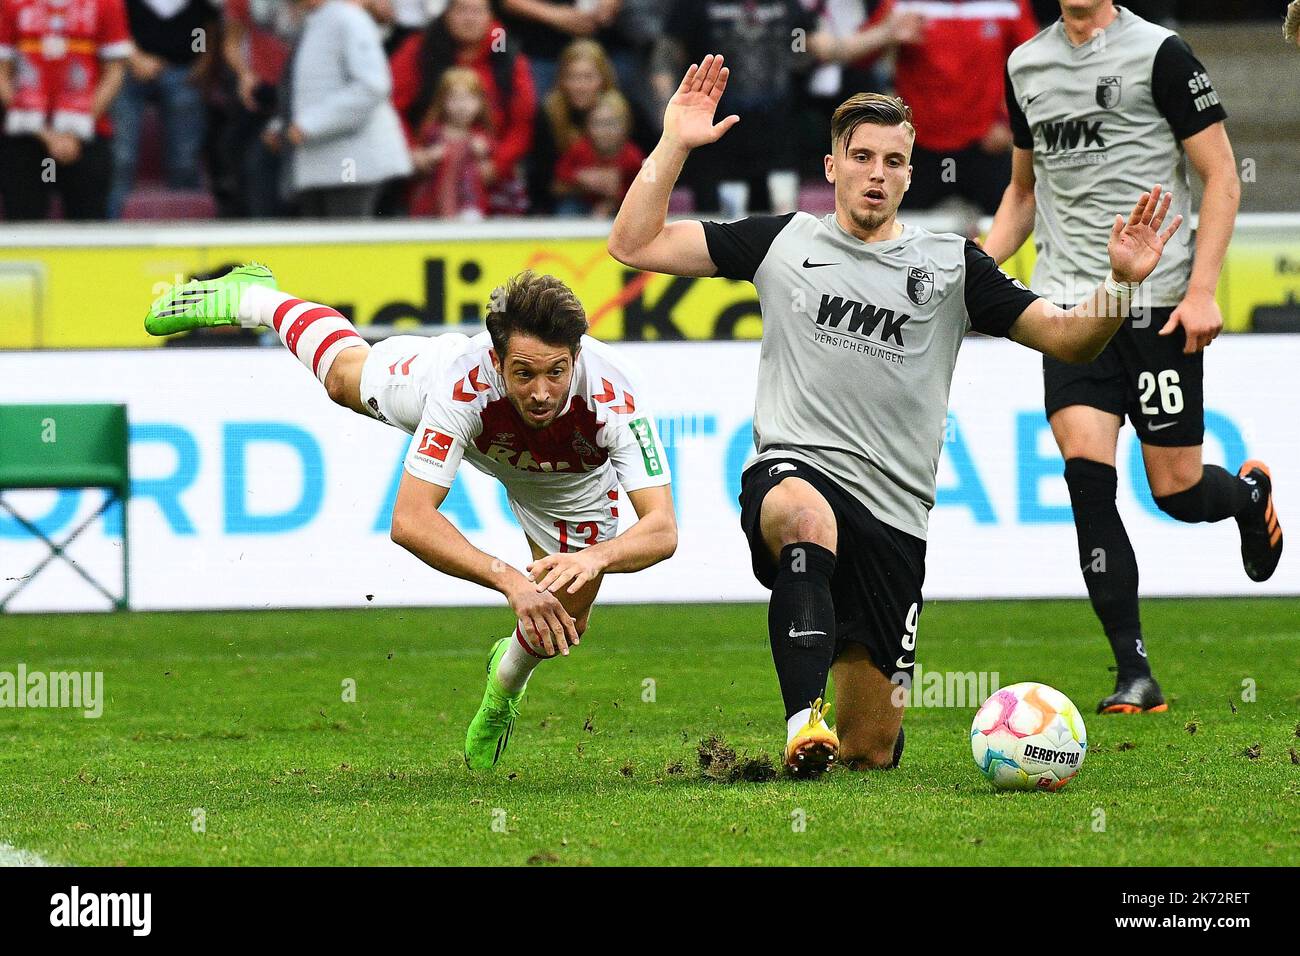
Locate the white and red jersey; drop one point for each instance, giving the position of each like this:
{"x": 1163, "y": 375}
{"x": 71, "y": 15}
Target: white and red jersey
{"x": 56, "y": 47}
{"x": 563, "y": 479}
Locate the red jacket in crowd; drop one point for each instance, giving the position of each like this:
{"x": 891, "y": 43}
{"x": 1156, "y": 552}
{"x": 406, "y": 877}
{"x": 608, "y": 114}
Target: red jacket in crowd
{"x": 512, "y": 122}
{"x": 582, "y": 155}
{"x": 953, "y": 78}
{"x": 454, "y": 186}
{"x": 56, "y": 51}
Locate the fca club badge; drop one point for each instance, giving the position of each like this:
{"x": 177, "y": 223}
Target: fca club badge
{"x": 1108, "y": 92}
{"x": 920, "y": 285}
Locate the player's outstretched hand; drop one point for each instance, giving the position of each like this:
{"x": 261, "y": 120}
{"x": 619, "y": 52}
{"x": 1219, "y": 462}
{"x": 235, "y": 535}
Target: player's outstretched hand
{"x": 688, "y": 120}
{"x": 546, "y": 623}
{"x": 1136, "y": 245}
{"x": 575, "y": 568}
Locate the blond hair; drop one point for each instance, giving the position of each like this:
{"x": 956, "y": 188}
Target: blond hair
{"x": 565, "y": 131}
{"x": 461, "y": 77}
{"x": 616, "y": 101}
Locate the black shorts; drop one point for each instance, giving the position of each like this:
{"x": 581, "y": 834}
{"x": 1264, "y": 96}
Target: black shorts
{"x": 1140, "y": 374}
{"x": 879, "y": 570}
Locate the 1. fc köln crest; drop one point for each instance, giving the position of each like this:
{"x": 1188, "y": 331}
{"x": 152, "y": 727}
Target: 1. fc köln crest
{"x": 1108, "y": 88}
{"x": 920, "y": 285}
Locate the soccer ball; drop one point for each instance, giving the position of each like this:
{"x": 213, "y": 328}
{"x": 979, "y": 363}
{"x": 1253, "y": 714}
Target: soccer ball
{"x": 1028, "y": 736}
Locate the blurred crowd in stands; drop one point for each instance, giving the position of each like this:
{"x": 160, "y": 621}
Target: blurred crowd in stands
{"x": 465, "y": 109}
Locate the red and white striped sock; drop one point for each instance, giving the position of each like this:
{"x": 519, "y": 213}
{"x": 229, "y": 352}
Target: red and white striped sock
{"x": 518, "y": 662}
{"x": 315, "y": 333}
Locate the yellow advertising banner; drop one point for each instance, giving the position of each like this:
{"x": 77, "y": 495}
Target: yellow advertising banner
{"x": 91, "y": 296}
{"x": 1259, "y": 287}
{"x": 97, "y": 297}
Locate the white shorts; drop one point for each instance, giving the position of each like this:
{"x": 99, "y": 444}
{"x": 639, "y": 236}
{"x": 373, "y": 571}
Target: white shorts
{"x": 579, "y": 528}
{"x": 578, "y": 512}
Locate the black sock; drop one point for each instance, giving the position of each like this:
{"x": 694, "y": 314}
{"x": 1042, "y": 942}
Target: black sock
{"x": 1218, "y": 495}
{"x": 1109, "y": 565}
{"x": 801, "y": 624}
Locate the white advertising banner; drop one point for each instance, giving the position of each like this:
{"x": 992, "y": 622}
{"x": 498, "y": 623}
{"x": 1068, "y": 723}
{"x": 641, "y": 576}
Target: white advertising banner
{"x": 251, "y": 490}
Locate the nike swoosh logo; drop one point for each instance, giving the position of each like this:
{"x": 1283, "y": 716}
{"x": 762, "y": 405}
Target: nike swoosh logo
{"x": 1034, "y": 97}
{"x": 1156, "y": 428}
{"x": 903, "y": 665}
{"x": 794, "y": 633}
{"x": 817, "y": 265}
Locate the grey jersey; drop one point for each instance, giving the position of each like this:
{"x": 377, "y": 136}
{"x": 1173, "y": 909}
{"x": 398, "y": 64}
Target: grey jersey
{"x": 1105, "y": 120}
{"x": 859, "y": 344}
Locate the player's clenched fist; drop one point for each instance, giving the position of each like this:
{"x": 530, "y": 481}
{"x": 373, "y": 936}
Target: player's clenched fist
{"x": 545, "y": 621}
{"x": 574, "y": 569}
{"x": 688, "y": 120}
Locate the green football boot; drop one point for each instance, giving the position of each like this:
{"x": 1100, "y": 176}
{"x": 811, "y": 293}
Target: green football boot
{"x": 205, "y": 302}
{"x": 489, "y": 731}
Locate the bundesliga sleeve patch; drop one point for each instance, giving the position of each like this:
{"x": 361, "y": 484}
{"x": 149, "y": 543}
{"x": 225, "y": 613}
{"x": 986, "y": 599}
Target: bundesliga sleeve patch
{"x": 645, "y": 439}
{"x": 434, "y": 445}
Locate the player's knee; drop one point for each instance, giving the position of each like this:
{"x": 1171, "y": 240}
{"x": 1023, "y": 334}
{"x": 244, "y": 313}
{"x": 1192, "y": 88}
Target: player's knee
{"x": 805, "y": 524}
{"x": 1082, "y": 432}
{"x": 1081, "y": 446}
{"x": 337, "y": 386}
{"x": 813, "y": 525}
{"x": 1170, "y": 479}
{"x": 791, "y": 515}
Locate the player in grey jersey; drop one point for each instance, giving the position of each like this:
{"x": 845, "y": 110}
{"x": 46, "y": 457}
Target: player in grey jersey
{"x": 862, "y": 320}
{"x": 1101, "y": 102}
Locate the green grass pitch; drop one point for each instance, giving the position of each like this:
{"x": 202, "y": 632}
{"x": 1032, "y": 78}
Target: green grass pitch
{"x": 241, "y": 716}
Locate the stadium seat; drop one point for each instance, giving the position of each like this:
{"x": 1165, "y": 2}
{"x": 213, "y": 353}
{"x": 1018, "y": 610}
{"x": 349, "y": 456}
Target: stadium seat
{"x": 681, "y": 202}
{"x": 817, "y": 197}
{"x": 158, "y": 202}
{"x": 67, "y": 446}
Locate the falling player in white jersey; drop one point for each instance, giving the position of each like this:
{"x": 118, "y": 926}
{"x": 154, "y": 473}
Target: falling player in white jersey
{"x": 533, "y": 401}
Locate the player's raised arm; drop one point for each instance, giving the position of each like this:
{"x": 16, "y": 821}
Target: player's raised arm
{"x": 1079, "y": 334}
{"x": 420, "y": 528}
{"x": 641, "y": 237}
